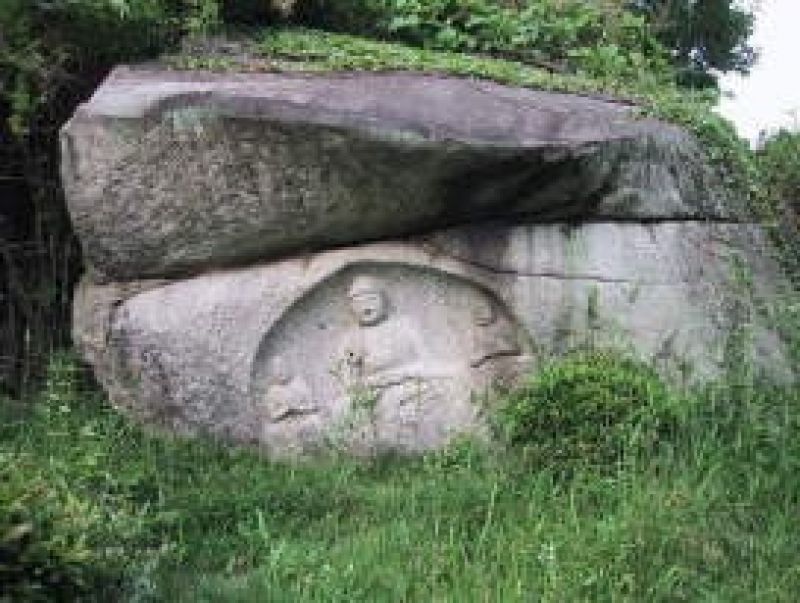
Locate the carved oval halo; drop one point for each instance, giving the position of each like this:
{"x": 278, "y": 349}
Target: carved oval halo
{"x": 418, "y": 341}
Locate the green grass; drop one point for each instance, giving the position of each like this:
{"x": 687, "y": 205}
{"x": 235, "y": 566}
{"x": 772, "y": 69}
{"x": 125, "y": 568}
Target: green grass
{"x": 301, "y": 49}
{"x": 710, "y": 514}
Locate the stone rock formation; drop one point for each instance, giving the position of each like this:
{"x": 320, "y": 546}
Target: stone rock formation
{"x": 354, "y": 261}
{"x": 172, "y": 173}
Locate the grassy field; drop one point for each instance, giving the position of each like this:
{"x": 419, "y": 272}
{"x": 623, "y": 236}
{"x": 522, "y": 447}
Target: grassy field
{"x": 709, "y": 510}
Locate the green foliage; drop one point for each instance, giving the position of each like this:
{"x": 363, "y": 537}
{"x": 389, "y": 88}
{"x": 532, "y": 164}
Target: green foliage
{"x": 777, "y": 169}
{"x": 38, "y": 561}
{"x": 598, "y": 38}
{"x": 562, "y": 35}
{"x": 256, "y": 11}
{"x": 71, "y": 529}
{"x": 703, "y": 36}
{"x": 589, "y": 408}
{"x": 710, "y": 513}
{"x": 303, "y": 49}
{"x": 52, "y": 54}
{"x": 779, "y": 160}
{"x": 45, "y": 526}
{"x": 202, "y": 17}
{"x": 46, "y": 42}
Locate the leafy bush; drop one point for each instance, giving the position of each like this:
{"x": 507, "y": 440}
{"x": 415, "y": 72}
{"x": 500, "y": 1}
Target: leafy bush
{"x": 779, "y": 159}
{"x": 64, "y": 520}
{"x": 52, "y": 54}
{"x": 42, "y": 558}
{"x": 703, "y": 37}
{"x": 46, "y": 43}
{"x": 588, "y": 408}
{"x": 558, "y": 34}
{"x": 44, "y": 554}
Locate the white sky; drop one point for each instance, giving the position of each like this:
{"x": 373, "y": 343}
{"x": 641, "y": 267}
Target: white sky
{"x": 770, "y": 96}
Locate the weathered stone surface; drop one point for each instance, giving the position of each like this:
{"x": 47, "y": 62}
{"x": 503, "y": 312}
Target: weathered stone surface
{"x": 171, "y": 173}
{"x": 391, "y": 346}
{"x": 353, "y": 261}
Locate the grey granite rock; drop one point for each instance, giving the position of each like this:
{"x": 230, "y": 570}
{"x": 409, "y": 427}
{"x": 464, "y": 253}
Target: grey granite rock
{"x": 393, "y": 346}
{"x": 353, "y": 262}
{"x": 173, "y": 173}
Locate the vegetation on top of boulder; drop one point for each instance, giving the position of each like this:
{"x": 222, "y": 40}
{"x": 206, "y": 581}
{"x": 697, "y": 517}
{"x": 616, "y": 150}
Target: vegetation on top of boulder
{"x": 300, "y": 49}
{"x": 611, "y": 40}
{"x": 560, "y": 35}
{"x": 694, "y": 39}
{"x": 779, "y": 160}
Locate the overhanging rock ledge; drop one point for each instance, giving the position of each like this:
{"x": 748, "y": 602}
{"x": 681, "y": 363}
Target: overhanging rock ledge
{"x": 170, "y": 173}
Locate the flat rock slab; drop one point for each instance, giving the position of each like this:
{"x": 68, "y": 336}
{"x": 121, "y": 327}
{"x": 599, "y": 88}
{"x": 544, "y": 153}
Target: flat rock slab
{"x": 172, "y": 173}
{"x": 393, "y": 346}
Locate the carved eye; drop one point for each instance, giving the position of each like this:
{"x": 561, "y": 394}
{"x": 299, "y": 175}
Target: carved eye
{"x": 352, "y": 357}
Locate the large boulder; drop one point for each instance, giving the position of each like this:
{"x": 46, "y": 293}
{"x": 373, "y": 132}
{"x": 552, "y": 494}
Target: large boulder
{"x": 395, "y": 346}
{"x": 170, "y": 173}
{"x": 354, "y": 261}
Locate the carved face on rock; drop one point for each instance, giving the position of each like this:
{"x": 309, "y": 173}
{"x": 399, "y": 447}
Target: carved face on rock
{"x": 280, "y": 371}
{"x": 483, "y": 313}
{"x": 368, "y": 301}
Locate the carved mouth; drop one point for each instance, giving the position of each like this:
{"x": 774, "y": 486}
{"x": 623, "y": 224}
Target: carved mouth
{"x": 369, "y": 316}
{"x": 293, "y": 413}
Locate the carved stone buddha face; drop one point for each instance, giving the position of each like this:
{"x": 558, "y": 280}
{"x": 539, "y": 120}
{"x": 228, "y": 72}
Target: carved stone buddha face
{"x": 281, "y": 375}
{"x": 368, "y": 301}
{"x": 483, "y": 312}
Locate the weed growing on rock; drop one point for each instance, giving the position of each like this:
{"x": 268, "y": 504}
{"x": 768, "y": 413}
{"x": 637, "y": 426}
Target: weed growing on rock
{"x": 596, "y": 409}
